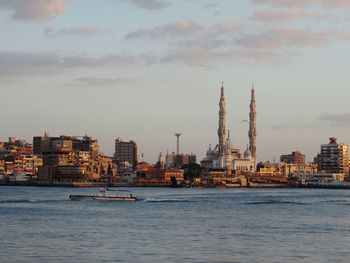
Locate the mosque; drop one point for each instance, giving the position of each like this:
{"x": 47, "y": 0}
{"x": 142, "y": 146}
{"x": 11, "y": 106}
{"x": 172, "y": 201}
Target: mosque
{"x": 225, "y": 155}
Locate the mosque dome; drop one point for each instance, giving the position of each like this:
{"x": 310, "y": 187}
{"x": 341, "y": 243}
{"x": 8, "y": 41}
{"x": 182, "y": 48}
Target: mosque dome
{"x": 210, "y": 151}
{"x": 247, "y": 154}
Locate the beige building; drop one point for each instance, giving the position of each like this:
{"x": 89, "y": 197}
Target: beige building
{"x": 295, "y": 169}
{"x": 71, "y": 159}
{"x": 2, "y": 167}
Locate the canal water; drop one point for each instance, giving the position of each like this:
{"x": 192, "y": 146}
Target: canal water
{"x": 175, "y": 225}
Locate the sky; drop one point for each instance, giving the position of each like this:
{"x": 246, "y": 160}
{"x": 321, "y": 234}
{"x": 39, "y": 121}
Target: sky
{"x": 145, "y": 69}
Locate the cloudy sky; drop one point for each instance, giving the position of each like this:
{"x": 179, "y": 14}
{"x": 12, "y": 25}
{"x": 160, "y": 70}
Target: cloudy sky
{"x": 145, "y": 69}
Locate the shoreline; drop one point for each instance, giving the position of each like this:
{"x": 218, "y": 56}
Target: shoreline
{"x": 88, "y": 184}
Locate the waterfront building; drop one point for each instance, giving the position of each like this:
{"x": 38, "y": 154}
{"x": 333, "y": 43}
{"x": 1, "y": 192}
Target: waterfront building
{"x": 72, "y": 159}
{"x": 317, "y": 160}
{"x": 285, "y": 169}
{"x": 125, "y": 152}
{"x": 191, "y": 171}
{"x": 334, "y": 157}
{"x": 2, "y": 167}
{"x": 17, "y": 158}
{"x": 152, "y": 176}
{"x": 267, "y": 168}
{"x": 38, "y": 143}
{"x": 13, "y": 146}
{"x": 143, "y": 166}
{"x": 126, "y": 178}
{"x": 184, "y": 159}
{"x": 225, "y": 155}
{"x": 293, "y": 158}
{"x": 181, "y": 159}
{"x": 216, "y": 176}
{"x": 124, "y": 167}
{"x": 292, "y": 169}
{"x": 267, "y": 171}
{"x": 245, "y": 164}
{"x": 177, "y": 160}
{"x": 24, "y": 163}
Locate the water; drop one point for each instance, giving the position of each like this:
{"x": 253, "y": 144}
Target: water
{"x": 176, "y": 225}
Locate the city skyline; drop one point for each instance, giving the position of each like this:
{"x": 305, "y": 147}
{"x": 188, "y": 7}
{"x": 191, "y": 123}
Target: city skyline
{"x": 66, "y": 69}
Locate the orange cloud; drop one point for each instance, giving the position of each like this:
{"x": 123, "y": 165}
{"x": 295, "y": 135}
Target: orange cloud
{"x": 338, "y": 4}
{"x": 34, "y": 9}
{"x": 177, "y": 29}
{"x": 277, "y": 15}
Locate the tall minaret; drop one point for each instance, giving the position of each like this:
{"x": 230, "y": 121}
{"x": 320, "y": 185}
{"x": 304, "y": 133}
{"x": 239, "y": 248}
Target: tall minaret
{"x": 222, "y": 123}
{"x": 252, "y": 125}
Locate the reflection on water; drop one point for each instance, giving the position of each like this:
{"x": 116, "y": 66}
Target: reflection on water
{"x": 176, "y": 225}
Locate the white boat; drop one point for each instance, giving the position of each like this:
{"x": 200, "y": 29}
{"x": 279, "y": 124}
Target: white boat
{"x": 18, "y": 177}
{"x": 334, "y": 184}
{"x": 324, "y": 181}
{"x": 103, "y": 195}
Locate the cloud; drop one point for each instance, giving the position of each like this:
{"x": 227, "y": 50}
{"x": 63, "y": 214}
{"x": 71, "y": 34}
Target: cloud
{"x": 224, "y": 28}
{"x": 187, "y": 28}
{"x": 345, "y": 36}
{"x": 202, "y": 45}
{"x": 301, "y": 126}
{"x": 280, "y": 127}
{"x": 74, "y": 31}
{"x": 194, "y": 56}
{"x": 211, "y": 5}
{"x": 277, "y": 15}
{"x": 207, "y": 57}
{"x": 337, "y": 4}
{"x": 285, "y": 38}
{"x": 251, "y": 55}
{"x": 337, "y": 119}
{"x": 24, "y": 63}
{"x": 28, "y": 10}
{"x": 234, "y": 33}
{"x": 177, "y": 29}
{"x": 105, "y": 61}
{"x": 147, "y": 4}
{"x": 286, "y": 3}
{"x": 330, "y": 119}
{"x": 283, "y": 10}
{"x": 89, "y": 81}
{"x": 21, "y": 63}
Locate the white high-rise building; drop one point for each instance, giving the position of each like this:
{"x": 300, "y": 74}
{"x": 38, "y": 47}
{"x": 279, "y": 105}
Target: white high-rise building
{"x": 334, "y": 157}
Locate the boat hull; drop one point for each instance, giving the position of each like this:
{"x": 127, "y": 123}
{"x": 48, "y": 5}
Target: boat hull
{"x": 327, "y": 186}
{"x": 102, "y": 198}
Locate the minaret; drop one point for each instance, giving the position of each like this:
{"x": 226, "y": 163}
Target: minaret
{"x": 228, "y": 156}
{"x": 228, "y": 141}
{"x": 252, "y": 125}
{"x": 222, "y": 123}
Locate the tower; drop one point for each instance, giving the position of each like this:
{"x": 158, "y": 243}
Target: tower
{"x": 177, "y": 143}
{"x": 222, "y": 123}
{"x": 252, "y": 125}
